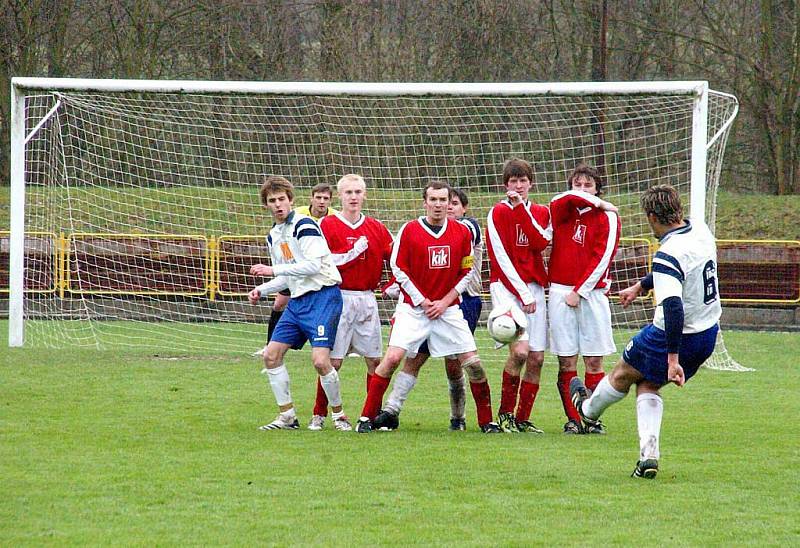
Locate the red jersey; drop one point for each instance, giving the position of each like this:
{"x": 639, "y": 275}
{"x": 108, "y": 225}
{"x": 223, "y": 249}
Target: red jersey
{"x": 515, "y": 238}
{"x": 428, "y": 264}
{"x": 585, "y": 240}
{"x": 363, "y": 272}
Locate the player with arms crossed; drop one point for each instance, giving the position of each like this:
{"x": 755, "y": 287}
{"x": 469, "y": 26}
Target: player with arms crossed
{"x": 360, "y": 245}
{"x": 319, "y": 208}
{"x": 431, "y": 258}
{"x": 471, "y": 308}
{"x": 684, "y": 329}
{"x": 586, "y": 234}
{"x": 517, "y": 231}
{"x": 301, "y": 262}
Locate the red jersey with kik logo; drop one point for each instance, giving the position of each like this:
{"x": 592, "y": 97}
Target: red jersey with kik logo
{"x": 515, "y": 238}
{"x": 585, "y": 240}
{"x": 364, "y": 272}
{"x": 430, "y": 264}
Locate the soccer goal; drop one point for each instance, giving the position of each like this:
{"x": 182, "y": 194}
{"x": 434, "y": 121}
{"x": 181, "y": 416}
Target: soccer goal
{"x": 135, "y": 209}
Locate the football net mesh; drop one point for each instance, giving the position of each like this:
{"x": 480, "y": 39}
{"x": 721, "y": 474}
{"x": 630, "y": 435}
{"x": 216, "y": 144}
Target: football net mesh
{"x": 142, "y": 212}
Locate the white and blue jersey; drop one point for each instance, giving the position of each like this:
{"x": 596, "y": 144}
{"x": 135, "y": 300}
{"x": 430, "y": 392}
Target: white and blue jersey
{"x": 684, "y": 268}
{"x": 303, "y": 263}
{"x": 301, "y": 258}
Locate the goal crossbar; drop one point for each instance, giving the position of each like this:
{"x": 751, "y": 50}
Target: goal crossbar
{"x": 688, "y": 87}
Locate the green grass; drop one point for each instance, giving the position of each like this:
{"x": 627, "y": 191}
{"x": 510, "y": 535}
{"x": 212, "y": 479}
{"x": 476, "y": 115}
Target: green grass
{"x": 129, "y": 447}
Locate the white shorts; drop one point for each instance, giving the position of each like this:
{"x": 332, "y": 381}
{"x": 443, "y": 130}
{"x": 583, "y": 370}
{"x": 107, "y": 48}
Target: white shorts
{"x": 359, "y": 328}
{"x": 447, "y": 335}
{"x": 585, "y": 329}
{"x": 536, "y": 332}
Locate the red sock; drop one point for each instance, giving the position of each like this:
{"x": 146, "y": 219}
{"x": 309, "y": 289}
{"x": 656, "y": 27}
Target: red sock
{"x": 321, "y": 403}
{"x": 369, "y": 379}
{"x": 591, "y": 380}
{"x": 527, "y": 395}
{"x": 483, "y": 401}
{"x": 508, "y": 393}
{"x": 563, "y": 389}
{"x": 377, "y": 388}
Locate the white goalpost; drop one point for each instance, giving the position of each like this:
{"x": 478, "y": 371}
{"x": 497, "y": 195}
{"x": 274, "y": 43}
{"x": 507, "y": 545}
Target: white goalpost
{"x": 134, "y": 203}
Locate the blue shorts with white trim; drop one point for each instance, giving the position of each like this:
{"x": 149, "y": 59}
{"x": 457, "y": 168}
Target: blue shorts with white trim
{"x": 647, "y": 352}
{"x": 313, "y": 317}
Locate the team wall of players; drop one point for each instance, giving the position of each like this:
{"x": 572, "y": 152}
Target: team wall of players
{"x": 331, "y": 268}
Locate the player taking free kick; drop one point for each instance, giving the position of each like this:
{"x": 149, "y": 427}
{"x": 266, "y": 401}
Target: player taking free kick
{"x": 684, "y": 329}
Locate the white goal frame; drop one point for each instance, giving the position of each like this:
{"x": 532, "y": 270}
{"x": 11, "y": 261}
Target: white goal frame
{"x": 698, "y": 90}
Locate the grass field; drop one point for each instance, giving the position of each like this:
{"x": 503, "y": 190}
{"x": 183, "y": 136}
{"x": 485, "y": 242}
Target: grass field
{"x": 129, "y": 447}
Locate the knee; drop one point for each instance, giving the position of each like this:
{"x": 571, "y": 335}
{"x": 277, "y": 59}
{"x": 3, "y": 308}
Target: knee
{"x": 594, "y": 364}
{"x": 472, "y": 366}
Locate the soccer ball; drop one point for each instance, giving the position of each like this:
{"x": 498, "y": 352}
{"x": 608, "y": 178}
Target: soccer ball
{"x": 506, "y": 323}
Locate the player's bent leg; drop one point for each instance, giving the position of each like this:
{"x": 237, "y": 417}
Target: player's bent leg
{"x": 377, "y": 387}
{"x": 610, "y": 390}
{"x": 317, "y": 421}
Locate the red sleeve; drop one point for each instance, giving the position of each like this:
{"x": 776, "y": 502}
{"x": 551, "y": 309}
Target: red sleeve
{"x": 537, "y": 230}
{"x": 603, "y": 246}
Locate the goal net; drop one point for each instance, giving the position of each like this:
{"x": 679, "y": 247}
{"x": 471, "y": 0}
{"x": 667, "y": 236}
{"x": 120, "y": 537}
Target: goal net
{"x": 139, "y": 199}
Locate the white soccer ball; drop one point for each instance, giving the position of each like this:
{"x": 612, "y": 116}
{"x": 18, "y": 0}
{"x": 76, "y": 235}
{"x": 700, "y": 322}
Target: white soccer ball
{"x": 506, "y": 324}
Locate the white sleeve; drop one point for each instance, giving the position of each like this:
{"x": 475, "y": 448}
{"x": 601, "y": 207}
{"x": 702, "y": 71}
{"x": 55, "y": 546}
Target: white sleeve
{"x": 301, "y": 268}
{"x": 273, "y": 286}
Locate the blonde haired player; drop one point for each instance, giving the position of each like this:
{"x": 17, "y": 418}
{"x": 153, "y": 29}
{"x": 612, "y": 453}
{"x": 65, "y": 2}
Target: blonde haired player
{"x": 360, "y": 245}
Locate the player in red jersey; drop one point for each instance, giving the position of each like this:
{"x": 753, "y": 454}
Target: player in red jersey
{"x": 431, "y": 258}
{"x": 586, "y": 234}
{"x": 517, "y": 231}
{"x": 470, "y": 307}
{"x": 359, "y": 245}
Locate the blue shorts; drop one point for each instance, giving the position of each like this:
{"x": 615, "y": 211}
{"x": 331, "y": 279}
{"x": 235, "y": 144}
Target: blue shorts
{"x": 313, "y": 316}
{"x": 471, "y": 308}
{"x": 647, "y": 352}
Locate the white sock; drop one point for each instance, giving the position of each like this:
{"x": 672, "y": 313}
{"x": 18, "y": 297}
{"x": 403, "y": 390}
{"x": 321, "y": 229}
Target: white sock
{"x": 649, "y": 410}
{"x": 403, "y": 384}
{"x": 330, "y": 384}
{"x": 289, "y": 414}
{"x": 458, "y": 397}
{"x": 602, "y": 397}
{"x": 279, "y": 381}
{"x": 337, "y": 414}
